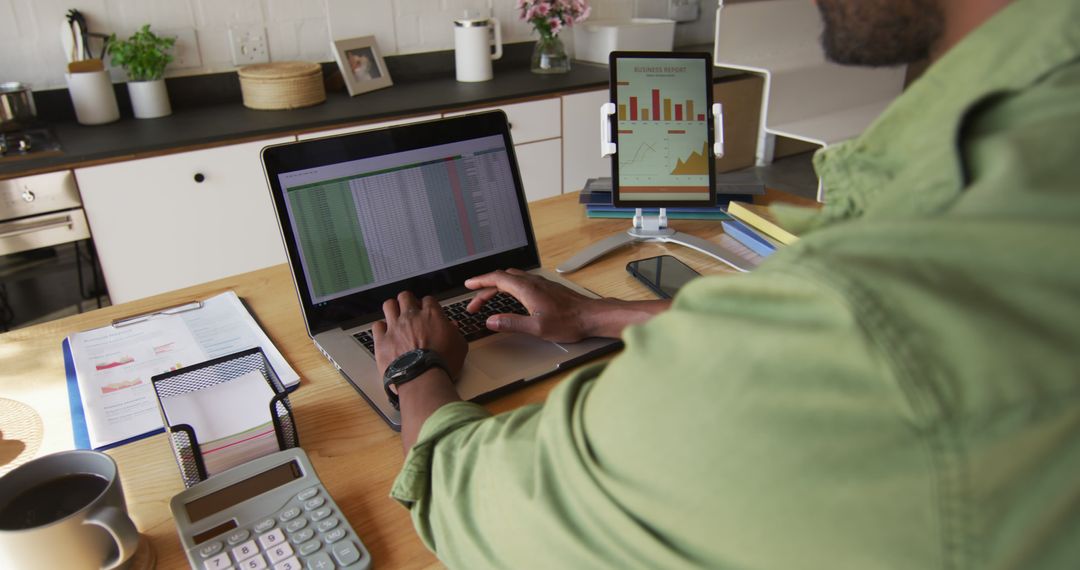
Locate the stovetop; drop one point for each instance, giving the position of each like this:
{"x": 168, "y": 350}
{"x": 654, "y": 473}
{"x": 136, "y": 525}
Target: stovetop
{"x": 33, "y": 142}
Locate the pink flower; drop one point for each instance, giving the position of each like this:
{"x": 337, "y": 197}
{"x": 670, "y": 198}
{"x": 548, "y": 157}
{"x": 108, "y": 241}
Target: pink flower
{"x": 549, "y": 17}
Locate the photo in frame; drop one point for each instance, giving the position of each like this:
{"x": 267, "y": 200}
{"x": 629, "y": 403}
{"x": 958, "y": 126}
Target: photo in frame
{"x": 361, "y": 65}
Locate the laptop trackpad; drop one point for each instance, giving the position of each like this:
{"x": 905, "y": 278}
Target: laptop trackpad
{"x": 515, "y": 356}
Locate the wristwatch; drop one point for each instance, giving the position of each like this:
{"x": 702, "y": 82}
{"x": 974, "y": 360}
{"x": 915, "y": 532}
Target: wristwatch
{"x": 408, "y": 366}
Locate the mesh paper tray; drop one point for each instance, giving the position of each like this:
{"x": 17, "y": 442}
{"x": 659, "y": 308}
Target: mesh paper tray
{"x": 211, "y": 373}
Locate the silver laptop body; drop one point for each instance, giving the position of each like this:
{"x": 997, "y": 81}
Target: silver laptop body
{"x": 417, "y": 207}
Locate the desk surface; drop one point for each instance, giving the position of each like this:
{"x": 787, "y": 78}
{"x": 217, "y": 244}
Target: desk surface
{"x": 356, "y": 455}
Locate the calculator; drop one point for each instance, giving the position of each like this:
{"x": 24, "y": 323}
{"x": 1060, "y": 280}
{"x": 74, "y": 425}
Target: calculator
{"x": 269, "y": 513}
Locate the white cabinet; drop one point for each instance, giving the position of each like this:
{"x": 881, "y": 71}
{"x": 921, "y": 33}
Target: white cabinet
{"x": 365, "y": 127}
{"x": 581, "y": 139}
{"x": 540, "y": 171}
{"x": 530, "y": 121}
{"x": 172, "y": 221}
{"x": 535, "y": 129}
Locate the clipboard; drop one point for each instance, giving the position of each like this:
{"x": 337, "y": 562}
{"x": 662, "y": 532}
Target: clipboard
{"x": 168, "y": 311}
{"x": 183, "y": 437}
{"x": 96, "y": 361}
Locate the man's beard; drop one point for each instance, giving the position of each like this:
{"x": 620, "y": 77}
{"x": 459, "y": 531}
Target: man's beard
{"x": 880, "y": 32}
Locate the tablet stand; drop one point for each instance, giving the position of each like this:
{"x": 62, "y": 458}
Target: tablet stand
{"x": 650, "y": 228}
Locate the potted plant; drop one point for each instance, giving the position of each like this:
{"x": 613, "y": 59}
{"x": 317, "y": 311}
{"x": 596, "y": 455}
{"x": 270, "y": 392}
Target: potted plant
{"x": 144, "y": 56}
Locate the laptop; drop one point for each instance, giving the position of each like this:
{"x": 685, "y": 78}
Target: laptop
{"x": 419, "y": 207}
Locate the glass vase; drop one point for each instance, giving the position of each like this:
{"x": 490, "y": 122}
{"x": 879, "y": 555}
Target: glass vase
{"x": 549, "y": 56}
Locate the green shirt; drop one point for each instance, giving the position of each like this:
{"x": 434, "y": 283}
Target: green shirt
{"x": 900, "y": 388}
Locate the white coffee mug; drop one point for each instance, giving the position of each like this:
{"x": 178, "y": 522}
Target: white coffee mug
{"x": 472, "y": 48}
{"x": 93, "y": 96}
{"x": 65, "y": 510}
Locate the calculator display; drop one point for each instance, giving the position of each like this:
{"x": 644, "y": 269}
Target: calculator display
{"x": 237, "y": 493}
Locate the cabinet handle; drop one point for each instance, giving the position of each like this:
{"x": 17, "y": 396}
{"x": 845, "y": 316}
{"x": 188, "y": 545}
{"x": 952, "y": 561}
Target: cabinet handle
{"x": 199, "y": 177}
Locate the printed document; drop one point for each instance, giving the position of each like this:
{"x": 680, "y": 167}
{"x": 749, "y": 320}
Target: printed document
{"x": 114, "y": 364}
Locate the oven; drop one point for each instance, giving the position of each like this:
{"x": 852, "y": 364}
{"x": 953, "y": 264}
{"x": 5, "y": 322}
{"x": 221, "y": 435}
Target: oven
{"x": 45, "y": 249}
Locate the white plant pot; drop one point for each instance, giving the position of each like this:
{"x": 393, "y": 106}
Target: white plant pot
{"x": 149, "y": 99}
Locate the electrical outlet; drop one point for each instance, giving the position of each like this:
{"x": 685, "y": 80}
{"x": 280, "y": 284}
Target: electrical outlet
{"x": 684, "y": 10}
{"x": 186, "y": 50}
{"x": 248, "y": 45}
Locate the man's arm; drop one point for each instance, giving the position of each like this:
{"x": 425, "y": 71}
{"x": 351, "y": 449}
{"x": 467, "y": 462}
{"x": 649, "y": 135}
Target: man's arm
{"x": 412, "y": 324}
{"x": 722, "y": 420}
{"x": 555, "y": 313}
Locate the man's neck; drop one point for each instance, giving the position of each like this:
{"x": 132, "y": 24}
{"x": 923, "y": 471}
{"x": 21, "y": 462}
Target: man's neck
{"x": 961, "y": 18}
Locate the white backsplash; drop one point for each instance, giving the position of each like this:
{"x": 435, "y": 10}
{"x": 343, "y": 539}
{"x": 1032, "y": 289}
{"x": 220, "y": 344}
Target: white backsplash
{"x": 296, "y": 29}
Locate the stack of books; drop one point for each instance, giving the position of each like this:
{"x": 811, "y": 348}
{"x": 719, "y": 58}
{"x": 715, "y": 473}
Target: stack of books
{"x": 598, "y": 202}
{"x": 755, "y": 227}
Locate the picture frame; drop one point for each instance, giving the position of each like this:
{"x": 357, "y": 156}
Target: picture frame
{"x": 362, "y": 66}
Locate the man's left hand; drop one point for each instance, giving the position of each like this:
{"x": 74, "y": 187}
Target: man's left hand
{"x": 410, "y": 324}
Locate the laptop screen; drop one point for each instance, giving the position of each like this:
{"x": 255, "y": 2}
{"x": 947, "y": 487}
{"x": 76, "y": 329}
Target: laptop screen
{"x": 419, "y": 207}
{"x": 370, "y": 222}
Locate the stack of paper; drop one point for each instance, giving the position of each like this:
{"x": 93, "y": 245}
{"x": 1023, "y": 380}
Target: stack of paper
{"x": 231, "y": 421}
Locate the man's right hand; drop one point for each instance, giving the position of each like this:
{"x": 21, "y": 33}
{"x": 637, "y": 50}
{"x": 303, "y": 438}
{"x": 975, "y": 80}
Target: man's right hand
{"x": 557, "y": 313}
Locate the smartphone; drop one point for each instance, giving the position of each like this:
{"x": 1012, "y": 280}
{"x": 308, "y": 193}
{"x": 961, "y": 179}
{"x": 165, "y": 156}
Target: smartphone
{"x": 663, "y": 274}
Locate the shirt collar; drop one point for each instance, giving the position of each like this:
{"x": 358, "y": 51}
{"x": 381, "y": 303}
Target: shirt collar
{"x": 914, "y": 141}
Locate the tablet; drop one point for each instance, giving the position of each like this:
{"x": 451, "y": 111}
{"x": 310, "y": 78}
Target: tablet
{"x": 662, "y": 129}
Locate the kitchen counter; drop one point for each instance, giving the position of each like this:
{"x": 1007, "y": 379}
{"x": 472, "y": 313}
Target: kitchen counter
{"x": 232, "y": 122}
{"x": 423, "y": 84}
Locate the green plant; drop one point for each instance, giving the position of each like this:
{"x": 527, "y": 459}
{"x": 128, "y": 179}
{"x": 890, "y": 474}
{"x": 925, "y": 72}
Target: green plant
{"x": 143, "y": 56}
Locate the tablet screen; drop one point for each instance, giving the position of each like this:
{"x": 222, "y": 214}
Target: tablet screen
{"x": 663, "y": 129}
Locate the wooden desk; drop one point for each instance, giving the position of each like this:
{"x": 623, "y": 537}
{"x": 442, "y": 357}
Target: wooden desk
{"x": 356, "y": 455}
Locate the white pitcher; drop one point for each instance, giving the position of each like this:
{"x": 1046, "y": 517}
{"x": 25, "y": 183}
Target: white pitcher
{"x": 472, "y": 48}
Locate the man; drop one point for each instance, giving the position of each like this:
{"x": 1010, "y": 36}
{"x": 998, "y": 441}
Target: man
{"x": 901, "y": 388}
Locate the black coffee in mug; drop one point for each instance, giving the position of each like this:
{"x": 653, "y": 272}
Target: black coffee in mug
{"x": 51, "y": 501}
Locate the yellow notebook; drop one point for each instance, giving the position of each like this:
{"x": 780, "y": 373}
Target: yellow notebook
{"x": 761, "y": 219}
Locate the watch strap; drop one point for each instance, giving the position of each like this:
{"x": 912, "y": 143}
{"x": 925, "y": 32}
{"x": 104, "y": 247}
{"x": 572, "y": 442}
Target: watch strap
{"x": 429, "y": 359}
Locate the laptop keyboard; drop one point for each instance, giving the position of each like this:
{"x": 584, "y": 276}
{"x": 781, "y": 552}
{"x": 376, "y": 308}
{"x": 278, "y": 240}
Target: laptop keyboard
{"x": 470, "y": 324}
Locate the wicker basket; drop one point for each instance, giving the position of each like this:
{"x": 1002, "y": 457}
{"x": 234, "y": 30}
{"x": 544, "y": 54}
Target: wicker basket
{"x": 282, "y": 85}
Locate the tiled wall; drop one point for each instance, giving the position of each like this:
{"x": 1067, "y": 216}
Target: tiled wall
{"x": 296, "y": 29}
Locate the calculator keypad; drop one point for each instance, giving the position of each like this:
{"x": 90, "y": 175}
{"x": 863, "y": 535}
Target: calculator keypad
{"x": 310, "y": 537}
{"x": 237, "y": 537}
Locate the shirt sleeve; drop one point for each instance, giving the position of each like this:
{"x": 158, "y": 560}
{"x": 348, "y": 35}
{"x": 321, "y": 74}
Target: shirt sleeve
{"x": 493, "y": 491}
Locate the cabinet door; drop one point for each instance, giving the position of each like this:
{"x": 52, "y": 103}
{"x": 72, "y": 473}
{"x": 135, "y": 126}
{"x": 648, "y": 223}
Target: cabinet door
{"x": 581, "y": 139}
{"x": 365, "y": 127}
{"x": 172, "y": 221}
{"x": 530, "y": 121}
{"x": 539, "y": 165}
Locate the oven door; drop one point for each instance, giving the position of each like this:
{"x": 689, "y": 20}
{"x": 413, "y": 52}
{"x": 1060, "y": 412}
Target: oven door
{"x": 43, "y": 230}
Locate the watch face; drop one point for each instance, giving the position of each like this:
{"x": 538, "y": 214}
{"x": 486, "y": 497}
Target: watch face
{"x": 406, "y": 360}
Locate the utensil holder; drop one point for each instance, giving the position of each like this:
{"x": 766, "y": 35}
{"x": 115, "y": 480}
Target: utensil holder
{"x": 93, "y": 96}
